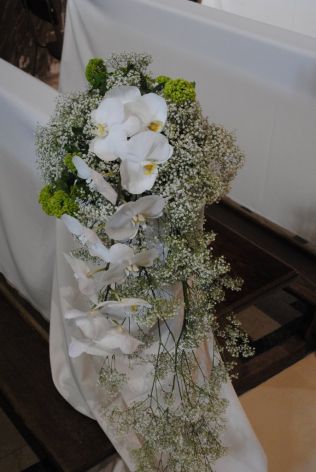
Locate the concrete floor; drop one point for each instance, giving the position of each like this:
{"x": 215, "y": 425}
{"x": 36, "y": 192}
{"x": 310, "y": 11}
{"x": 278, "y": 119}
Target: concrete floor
{"x": 282, "y": 412}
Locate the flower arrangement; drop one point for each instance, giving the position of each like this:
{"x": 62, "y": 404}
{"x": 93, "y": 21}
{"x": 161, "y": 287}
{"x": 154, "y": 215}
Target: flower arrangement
{"x": 129, "y": 165}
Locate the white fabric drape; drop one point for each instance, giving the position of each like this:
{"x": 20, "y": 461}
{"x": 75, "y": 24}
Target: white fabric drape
{"x": 253, "y": 78}
{"x": 27, "y": 235}
{"x": 293, "y": 15}
{"x": 76, "y": 380}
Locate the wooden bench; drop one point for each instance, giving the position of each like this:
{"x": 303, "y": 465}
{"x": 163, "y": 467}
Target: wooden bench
{"x": 271, "y": 285}
{"x": 60, "y": 436}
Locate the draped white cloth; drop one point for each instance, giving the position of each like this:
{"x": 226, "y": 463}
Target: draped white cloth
{"x": 293, "y": 15}
{"x": 27, "y": 235}
{"x": 254, "y": 78}
{"x": 76, "y": 380}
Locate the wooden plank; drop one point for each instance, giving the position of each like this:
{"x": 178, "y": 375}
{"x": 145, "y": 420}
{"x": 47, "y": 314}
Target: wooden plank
{"x": 302, "y": 261}
{"x": 264, "y": 366}
{"x": 261, "y": 271}
{"x": 71, "y": 441}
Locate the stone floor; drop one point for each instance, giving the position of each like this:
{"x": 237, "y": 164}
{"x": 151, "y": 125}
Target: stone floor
{"x": 282, "y": 412}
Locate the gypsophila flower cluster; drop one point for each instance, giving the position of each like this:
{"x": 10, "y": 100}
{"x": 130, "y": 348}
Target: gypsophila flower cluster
{"x": 128, "y": 166}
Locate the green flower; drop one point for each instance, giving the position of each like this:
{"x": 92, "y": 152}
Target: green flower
{"x": 162, "y": 79}
{"x": 179, "y": 90}
{"x": 56, "y": 203}
{"x": 96, "y": 73}
{"x": 44, "y": 198}
{"x": 68, "y": 161}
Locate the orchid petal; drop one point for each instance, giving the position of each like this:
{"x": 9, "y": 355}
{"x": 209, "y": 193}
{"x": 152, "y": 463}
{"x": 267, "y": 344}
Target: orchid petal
{"x": 81, "y": 346}
{"x": 119, "y": 253}
{"x": 149, "y": 108}
{"x": 86, "y": 283}
{"x": 83, "y": 170}
{"x": 110, "y": 147}
{"x": 145, "y": 258}
{"x": 87, "y": 236}
{"x": 103, "y": 187}
{"x": 118, "y": 338}
{"x": 90, "y": 175}
{"x": 133, "y": 178}
{"x": 93, "y": 327}
{"x": 150, "y": 206}
{"x": 75, "y": 227}
{"x": 124, "y": 93}
{"x": 110, "y": 112}
{"x": 121, "y": 226}
{"x": 150, "y": 146}
{"x": 131, "y": 126}
{"x": 115, "y": 275}
{"x": 124, "y": 307}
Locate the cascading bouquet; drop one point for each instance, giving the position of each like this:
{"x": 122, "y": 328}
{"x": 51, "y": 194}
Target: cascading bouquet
{"x": 129, "y": 165}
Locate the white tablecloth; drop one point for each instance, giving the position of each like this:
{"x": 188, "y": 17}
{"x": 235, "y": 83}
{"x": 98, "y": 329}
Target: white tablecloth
{"x": 27, "y": 235}
{"x": 293, "y": 15}
{"x": 257, "y": 79}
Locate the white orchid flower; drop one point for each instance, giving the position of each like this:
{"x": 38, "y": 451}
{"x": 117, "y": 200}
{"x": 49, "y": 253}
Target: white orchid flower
{"x": 151, "y": 110}
{"x": 139, "y": 169}
{"x": 101, "y": 339}
{"x": 128, "y": 265}
{"x": 124, "y": 224}
{"x": 111, "y": 138}
{"x": 95, "y": 179}
{"x": 86, "y": 236}
{"x": 123, "y": 308}
{"x": 113, "y": 123}
{"x": 84, "y": 276}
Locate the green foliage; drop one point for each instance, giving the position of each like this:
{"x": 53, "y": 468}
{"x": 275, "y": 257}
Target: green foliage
{"x": 162, "y": 79}
{"x": 44, "y": 198}
{"x": 179, "y": 91}
{"x": 68, "y": 162}
{"x": 96, "y": 73}
{"x": 56, "y": 202}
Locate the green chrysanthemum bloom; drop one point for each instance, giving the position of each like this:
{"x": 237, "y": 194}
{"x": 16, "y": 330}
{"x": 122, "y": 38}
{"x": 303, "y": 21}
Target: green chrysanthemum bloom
{"x": 96, "y": 73}
{"x": 56, "y": 203}
{"x": 162, "y": 79}
{"x": 44, "y": 198}
{"x": 68, "y": 161}
{"x": 61, "y": 203}
{"x": 179, "y": 91}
